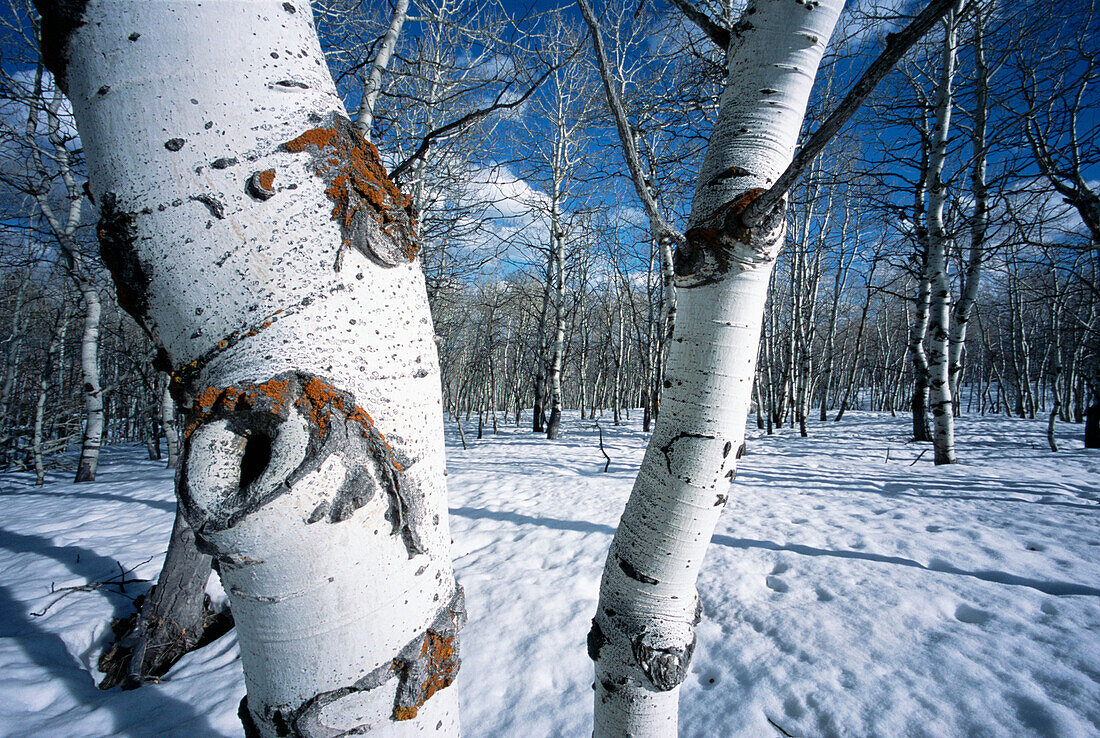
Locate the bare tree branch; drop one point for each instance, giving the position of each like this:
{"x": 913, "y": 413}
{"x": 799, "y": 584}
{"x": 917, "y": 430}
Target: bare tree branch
{"x": 458, "y": 126}
{"x": 716, "y": 33}
{"x": 896, "y": 46}
{"x": 660, "y": 228}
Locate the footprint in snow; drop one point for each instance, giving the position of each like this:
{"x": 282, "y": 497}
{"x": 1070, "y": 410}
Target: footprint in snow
{"x": 780, "y": 568}
{"x": 967, "y": 614}
{"x": 777, "y": 584}
{"x": 824, "y": 595}
{"x": 1048, "y": 608}
{"x": 933, "y": 528}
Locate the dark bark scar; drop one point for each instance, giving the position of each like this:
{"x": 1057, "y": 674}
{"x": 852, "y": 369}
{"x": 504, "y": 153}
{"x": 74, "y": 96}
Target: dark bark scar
{"x": 336, "y": 426}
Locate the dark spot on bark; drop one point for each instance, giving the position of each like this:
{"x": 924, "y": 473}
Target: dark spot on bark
{"x": 665, "y": 666}
{"x": 318, "y": 513}
{"x": 291, "y": 83}
{"x": 768, "y": 91}
{"x": 667, "y": 384}
{"x": 289, "y": 8}
{"x": 60, "y": 18}
{"x": 633, "y": 573}
{"x": 730, "y": 474}
{"x": 434, "y": 665}
{"x": 213, "y": 204}
{"x": 117, "y": 237}
{"x": 596, "y": 641}
{"x": 134, "y": 36}
{"x": 257, "y": 454}
{"x": 162, "y": 362}
{"x": 726, "y": 449}
{"x": 261, "y": 185}
{"x": 224, "y": 162}
{"x": 727, "y": 174}
{"x": 722, "y": 499}
{"x": 740, "y": 450}
{"x": 103, "y": 90}
{"x": 208, "y": 125}
{"x": 174, "y": 144}
{"x": 88, "y": 387}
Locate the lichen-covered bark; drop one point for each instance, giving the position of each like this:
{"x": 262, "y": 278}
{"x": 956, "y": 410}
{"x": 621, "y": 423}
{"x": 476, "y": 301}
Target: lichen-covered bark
{"x": 642, "y": 636}
{"x": 254, "y": 234}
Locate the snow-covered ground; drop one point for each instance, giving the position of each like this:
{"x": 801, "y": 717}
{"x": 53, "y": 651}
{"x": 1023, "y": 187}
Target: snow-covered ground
{"x": 848, "y": 591}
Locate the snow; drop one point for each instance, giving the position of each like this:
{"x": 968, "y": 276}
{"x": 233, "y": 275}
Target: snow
{"x": 846, "y": 593}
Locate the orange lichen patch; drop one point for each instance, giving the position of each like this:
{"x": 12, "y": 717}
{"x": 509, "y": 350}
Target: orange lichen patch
{"x": 267, "y": 179}
{"x": 270, "y": 396}
{"x": 319, "y": 137}
{"x": 359, "y": 187}
{"x": 441, "y": 657}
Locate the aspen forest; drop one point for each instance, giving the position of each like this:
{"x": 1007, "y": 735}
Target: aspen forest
{"x": 667, "y": 368}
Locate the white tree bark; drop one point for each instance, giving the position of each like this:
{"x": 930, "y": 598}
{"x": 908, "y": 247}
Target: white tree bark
{"x": 372, "y": 85}
{"x": 939, "y": 281}
{"x": 253, "y": 232}
{"x": 167, "y": 410}
{"x": 643, "y": 633}
{"x": 979, "y": 217}
{"x": 64, "y": 227}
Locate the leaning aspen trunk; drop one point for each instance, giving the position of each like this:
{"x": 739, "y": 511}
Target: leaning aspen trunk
{"x": 642, "y": 636}
{"x": 254, "y": 234}
{"x": 939, "y": 381}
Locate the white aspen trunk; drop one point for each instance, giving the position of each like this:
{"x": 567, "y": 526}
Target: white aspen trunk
{"x": 372, "y": 85}
{"x": 89, "y": 368}
{"x": 979, "y": 219}
{"x": 65, "y": 231}
{"x": 167, "y": 408}
{"x": 939, "y": 384}
{"x": 643, "y": 634}
{"x": 557, "y": 352}
{"x": 253, "y": 232}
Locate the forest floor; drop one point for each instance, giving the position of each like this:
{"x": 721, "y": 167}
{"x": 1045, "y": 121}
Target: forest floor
{"x": 852, "y": 588}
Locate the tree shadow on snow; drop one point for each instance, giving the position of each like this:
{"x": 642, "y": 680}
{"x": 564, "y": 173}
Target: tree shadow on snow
{"x": 939, "y": 566}
{"x": 140, "y": 713}
{"x": 82, "y": 562}
{"x": 166, "y": 505}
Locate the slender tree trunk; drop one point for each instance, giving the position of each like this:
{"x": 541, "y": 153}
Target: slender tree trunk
{"x": 94, "y": 420}
{"x": 643, "y": 633}
{"x": 51, "y": 367}
{"x": 557, "y": 353}
{"x": 167, "y": 407}
{"x": 312, "y": 466}
{"x": 979, "y": 219}
{"x": 372, "y": 85}
{"x": 943, "y": 410}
